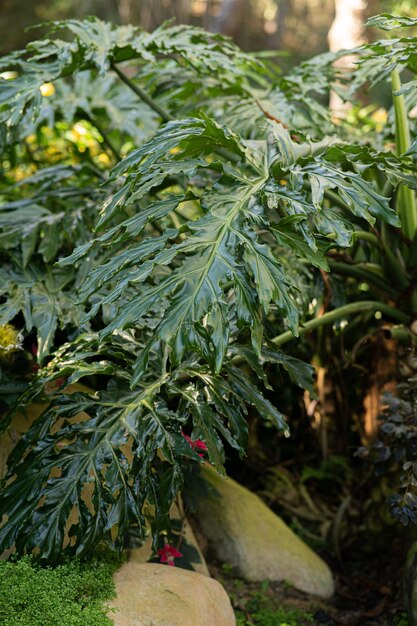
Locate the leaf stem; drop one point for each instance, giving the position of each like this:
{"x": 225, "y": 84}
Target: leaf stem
{"x": 365, "y": 306}
{"x": 387, "y": 189}
{"x": 335, "y": 199}
{"x": 365, "y": 235}
{"x": 361, "y": 273}
{"x": 163, "y": 113}
{"x": 406, "y": 202}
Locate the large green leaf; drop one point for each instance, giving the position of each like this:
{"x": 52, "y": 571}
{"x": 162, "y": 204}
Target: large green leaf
{"x": 220, "y": 248}
{"x": 189, "y": 283}
{"x": 92, "y": 461}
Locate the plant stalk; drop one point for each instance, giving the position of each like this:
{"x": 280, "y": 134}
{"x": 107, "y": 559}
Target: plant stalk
{"x": 163, "y": 113}
{"x": 363, "y": 274}
{"x": 365, "y": 306}
{"x": 406, "y": 202}
{"x": 364, "y": 235}
{"x": 332, "y": 197}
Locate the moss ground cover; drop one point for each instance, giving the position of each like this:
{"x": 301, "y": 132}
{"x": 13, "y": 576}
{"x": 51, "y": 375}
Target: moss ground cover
{"x": 71, "y": 594}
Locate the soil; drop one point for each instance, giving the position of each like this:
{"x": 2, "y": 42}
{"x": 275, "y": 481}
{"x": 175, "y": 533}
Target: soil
{"x": 367, "y": 594}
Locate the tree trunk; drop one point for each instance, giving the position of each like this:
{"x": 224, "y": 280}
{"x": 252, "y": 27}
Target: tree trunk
{"x": 229, "y": 21}
{"x": 182, "y": 10}
{"x": 284, "y": 10}
{"x": 125, "y": 13}
{"x": 345, "y": 33}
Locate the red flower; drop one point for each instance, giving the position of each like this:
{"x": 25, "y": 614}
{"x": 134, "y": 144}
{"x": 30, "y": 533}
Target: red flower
{"x": 198, "y": 444}
{"x": 187, "y": 439}
{"x": 168, "y": 553}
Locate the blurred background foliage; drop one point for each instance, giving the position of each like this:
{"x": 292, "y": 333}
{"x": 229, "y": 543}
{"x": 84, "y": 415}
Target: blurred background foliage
{"x": 298, "y": 27}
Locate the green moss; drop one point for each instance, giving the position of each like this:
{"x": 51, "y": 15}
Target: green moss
{"x": 259, "y": 608}
{"x": 266, "y": 603}
{"x": 267, "y": 616}
{"x": 72, "y": 594}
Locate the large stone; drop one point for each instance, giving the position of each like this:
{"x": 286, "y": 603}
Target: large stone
{"x": 242, "y": 531}
{"x": 159, "y": 595}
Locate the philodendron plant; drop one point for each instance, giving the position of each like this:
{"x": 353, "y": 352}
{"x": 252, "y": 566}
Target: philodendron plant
{"x": 168, "y": 285}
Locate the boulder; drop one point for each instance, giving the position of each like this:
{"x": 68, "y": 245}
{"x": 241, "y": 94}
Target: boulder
{"x": 242, "y": 531}
{"x": 158, "y": 595}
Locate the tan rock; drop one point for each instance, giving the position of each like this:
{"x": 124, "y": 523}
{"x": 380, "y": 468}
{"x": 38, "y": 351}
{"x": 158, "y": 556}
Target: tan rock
{"x": 244, "y": 532}
{"x": 158, "y": 595}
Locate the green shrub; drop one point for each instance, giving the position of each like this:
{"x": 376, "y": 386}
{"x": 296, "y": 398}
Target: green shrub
{"x": 167, "y": 264}
{"x": 71, "y": 594}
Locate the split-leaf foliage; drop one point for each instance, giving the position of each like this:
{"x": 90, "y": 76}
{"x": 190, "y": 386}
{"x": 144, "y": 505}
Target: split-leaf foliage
{"x": 157, "y": 255}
